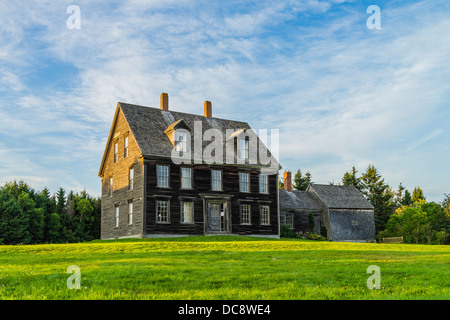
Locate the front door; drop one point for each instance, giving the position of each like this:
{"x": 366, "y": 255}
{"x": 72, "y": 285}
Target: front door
{"x": 217, "y": 217}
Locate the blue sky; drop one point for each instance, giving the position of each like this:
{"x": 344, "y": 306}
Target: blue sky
{"x": 340, "y": 94}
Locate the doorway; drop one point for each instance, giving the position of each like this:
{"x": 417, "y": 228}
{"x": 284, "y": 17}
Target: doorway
{"x": 217, "y": 217}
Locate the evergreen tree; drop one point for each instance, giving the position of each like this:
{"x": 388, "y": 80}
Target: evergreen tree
{"x": 301, "y": 182}
{"x": 379, "y": 195}
{"x": 13, "y": 221}
{"x": 417, "y": 195}
{"x": 350, "y": 179}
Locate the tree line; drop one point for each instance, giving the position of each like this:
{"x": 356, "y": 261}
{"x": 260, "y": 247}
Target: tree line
{"x": 398, "y": 212}
{"x": 32, "y": 217}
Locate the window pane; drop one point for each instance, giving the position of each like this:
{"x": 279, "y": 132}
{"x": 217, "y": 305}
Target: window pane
{"x": 162, "y": 176}
{"x": 181, "y": 141}
{"x": 110, "y": 187}
{"x": 243, "y": 149}
{"x": 264, "y": 211}
{"x": 116, "y": 215}
{"x": 131, "y": 179}
{"x": 244, "y": 178}
{"x": 216, "y": 176}
{"x": 125, "y": 151}
{"x": 245, "y": 213}
{"x": 186, "y": 178}
{"x": 187, "y": 216}
{"x": 162, "y": 211}
{"x": 130, "y": 212}
{"x": 263, "y": 183}
{"x": 116, "y": 152}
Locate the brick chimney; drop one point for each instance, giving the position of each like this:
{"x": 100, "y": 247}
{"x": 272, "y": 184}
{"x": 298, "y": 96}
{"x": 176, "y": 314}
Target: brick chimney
{"x": 208, "y": 109}
{"x": 164, "y": 101}
{"x": 287, "y": 181}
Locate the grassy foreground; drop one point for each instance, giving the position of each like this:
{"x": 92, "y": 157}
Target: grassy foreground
{"x": 224, "y": 268}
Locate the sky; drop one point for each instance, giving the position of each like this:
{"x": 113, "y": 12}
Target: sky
{"x": 340, "y": 93}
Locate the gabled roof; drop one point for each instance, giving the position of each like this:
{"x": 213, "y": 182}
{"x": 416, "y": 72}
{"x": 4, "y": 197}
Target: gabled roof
{"x": 340, "y": 197}
{"x": 148, "y": 126}
{"x": 297, "y": 200}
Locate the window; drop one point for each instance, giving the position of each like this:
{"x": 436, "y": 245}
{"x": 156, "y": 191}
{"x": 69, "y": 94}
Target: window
{"x": 131, "y": 179}
{"x": 116, "y": 215}
{"x": 162, "y": 173}
{"x": 216, "y": 180}
{"x": 181, "y": 141}
{"x": 187, "y": 212}
{"x": 263, "y": 183}
{"x": 244, "y": 178}
{"x": 243, "y": 148}
{"x": 116, "y": 151}
{"x": 125, "y": 147}
{"x": 130, "y": 211}
{"x": 245, "y": 213}
{"x": 264, "y": 212}
{"x": 186, "y": 178}
{"x": 162, "y": 211}
{"x": 111, "y": 187}
{"x": 289, "y": 220}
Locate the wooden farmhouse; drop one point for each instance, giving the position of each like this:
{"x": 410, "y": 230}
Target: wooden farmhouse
{"x": 167, "y": 173}
{"x": 342, "y": 211}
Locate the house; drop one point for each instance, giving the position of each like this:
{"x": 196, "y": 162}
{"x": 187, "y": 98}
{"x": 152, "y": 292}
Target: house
{"x": 342, "y": 211}
{"x": 167, "y": 173}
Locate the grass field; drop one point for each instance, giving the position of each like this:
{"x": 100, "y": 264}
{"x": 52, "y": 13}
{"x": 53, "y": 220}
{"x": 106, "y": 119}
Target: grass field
{"x": 224, "y": 267}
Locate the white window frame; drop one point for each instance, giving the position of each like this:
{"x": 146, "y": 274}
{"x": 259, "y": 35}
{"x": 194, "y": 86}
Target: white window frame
{"x": 116, "y": 152}
{"x": 164, "y": 216}
{"x": 244, "y": 148}
{"x": 162, "y": 181}
{"x": 244, "y": 181}
{"x": 186, "y": 182}
{"x": 264, "y": 214}
{"x": 130, "y": 212}
{"x": 116, "y": 215}
{"x": 246, "y": 213}
{"x": 131, "y": 178}
{"x": 263, "y": 183}
{"x": 181, "y": 141}
{"x": 216, "y": 180}
{"x": 125, "y": 147}
{"x": 188, "y": 215}
{"x": 111, "y": 186}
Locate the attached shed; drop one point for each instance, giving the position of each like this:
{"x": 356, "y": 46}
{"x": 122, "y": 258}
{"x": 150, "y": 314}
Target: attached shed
{"x": 342, "y": 210}
{"x": 347, "y": 214}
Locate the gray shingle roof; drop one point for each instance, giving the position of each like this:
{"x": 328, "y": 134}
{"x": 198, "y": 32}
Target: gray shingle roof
{"x": 148, "y": 125}
{"x": 297, "y": 200}
{"x": 340, "y": 197}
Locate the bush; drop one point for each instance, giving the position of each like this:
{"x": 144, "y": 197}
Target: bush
{"x": 286, "y": 231}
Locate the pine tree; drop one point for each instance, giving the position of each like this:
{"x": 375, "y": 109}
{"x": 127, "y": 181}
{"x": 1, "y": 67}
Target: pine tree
{"x": 379, "y": 195}
{"x": 417, "y": 195}
{"x": 350, "y": 179}
{"x": 301, "y": 182}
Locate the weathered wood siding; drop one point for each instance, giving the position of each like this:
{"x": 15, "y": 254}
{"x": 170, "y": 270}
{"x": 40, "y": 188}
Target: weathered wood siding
{"x": 201, "y": 175}
{"x": 119, "y": 171}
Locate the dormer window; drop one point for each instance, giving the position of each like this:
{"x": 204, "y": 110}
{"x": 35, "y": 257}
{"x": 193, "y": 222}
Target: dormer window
{"x": 179, "y": 135}
{"x": 243, "y": 148}
{"x": 181, "y": 141}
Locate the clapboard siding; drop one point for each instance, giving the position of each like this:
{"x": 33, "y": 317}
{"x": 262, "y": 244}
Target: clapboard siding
{"x": 201, "y": 175}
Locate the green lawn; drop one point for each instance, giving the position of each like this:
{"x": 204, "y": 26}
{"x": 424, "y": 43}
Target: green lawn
{"x": 225, "y": 267}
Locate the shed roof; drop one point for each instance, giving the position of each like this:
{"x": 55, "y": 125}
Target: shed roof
{"x": 297, "y": 200}
{"x": 340, "y": 197}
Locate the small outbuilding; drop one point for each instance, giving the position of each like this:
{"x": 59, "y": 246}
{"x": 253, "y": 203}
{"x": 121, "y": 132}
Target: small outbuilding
{"x": 342, "y": 211}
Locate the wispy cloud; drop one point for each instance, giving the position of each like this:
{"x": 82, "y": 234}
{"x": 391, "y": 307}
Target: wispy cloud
{"x": 340, "y": 94}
